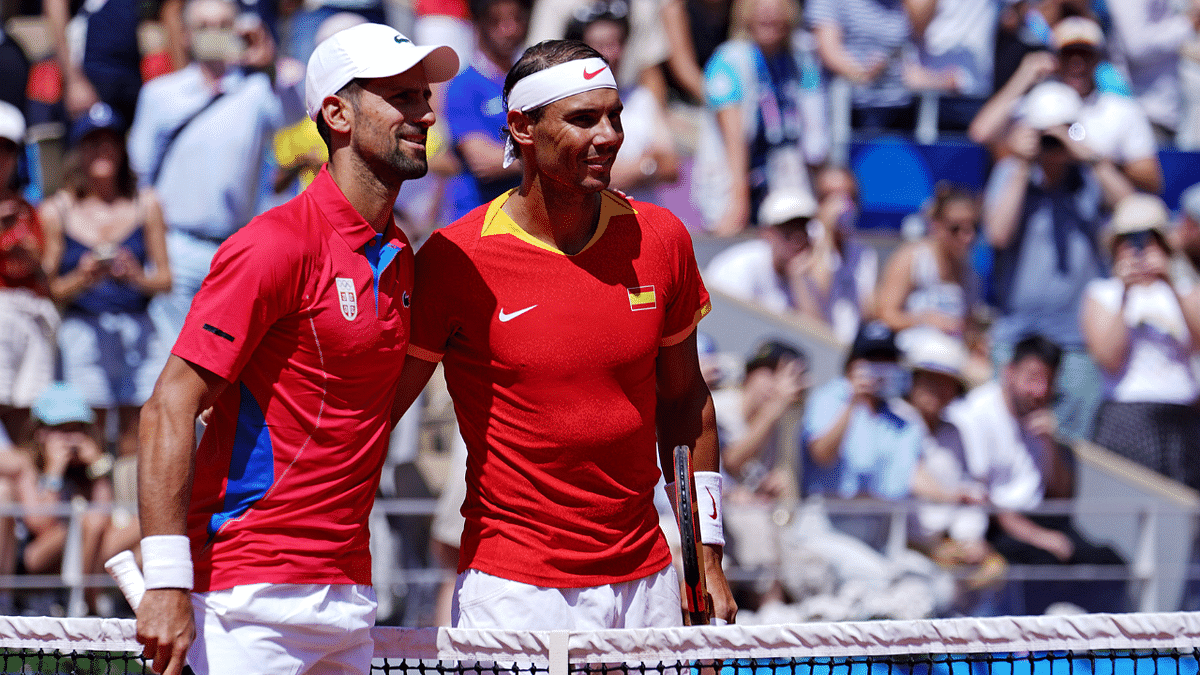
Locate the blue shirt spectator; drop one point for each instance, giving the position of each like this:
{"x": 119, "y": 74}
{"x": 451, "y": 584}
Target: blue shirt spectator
{"x": 855, "y": 445}
{"x": 475, "y": 105}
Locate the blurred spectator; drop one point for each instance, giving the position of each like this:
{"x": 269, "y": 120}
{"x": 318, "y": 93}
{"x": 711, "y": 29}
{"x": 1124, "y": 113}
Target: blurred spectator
{"x": 1147, "y": 38}
{"x": 1008, "y": 431}
{"x": 863, "y": 41}
{"x": 298, "y": 149}
{"x": 70, "y": 457}
{"x": 855, "y": 444}
{"x": 1187, "y": 236}
{"x": 694, "y": 29}
{"x": 28, "y": 318}
{"x": 1188, "y": 135}
{"x": 753, "y": 459}
{"x": 199, "y": 139}
{"x": 1143, "y": 331}
{"x": 647, "y": 156}
{"x": 930, "y": 284}
{"x": 14, "y": 71}
{"x": 97, "y": 52}
{"x": 444, "y": 22}
{"x": 950, "y": 527}
{"x": 956, "y": 42}
{"x": 1043, "y": 211}
{"x": 106, "y": 256}
{"x": 765, "y": 124}
{"x": 844, "y": 270}
{"x": 306, "y": 22}
{"x": 1112, "y": 128}
{"x": 475, "y": 111}
{"x": 771, "y": 270}
{"x": 555, "y": 19}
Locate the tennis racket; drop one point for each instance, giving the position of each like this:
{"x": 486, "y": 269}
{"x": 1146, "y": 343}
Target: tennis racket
{"x": 698, "y": 603}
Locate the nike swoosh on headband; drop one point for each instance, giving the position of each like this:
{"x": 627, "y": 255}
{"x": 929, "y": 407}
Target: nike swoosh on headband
{"x": 588, "y": 76}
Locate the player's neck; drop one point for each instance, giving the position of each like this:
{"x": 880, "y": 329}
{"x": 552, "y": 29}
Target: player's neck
{"x": 564, "y": 219}
{"x": 364, "y": 190}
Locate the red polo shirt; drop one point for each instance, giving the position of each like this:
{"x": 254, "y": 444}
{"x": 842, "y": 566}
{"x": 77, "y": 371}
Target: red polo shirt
{"x": 305, "y": 312}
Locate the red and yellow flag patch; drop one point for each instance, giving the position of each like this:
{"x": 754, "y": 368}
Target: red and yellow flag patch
{"x": 641, "y": 297}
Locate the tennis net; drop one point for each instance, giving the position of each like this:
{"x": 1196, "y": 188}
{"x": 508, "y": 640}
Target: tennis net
{"x": 1095, "y": 644}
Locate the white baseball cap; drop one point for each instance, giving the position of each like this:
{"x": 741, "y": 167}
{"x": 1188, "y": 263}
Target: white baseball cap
{"x": 1050, "y": 104}
{"x": 937, "y": 352}
{"x": 782, "y": 206}
{"x": 369, "y": 50}
{"x": 12, "y": 123}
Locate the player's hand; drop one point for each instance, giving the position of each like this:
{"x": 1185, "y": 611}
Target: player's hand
{"x": 166, "y": 628}
{"x": 724, "y": 606}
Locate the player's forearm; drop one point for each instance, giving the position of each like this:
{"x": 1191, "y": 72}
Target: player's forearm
{"x": 166, "y": 466}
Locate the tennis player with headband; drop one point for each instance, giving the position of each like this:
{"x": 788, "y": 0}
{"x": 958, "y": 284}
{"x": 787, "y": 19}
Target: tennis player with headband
{"x": 565, "y": 315}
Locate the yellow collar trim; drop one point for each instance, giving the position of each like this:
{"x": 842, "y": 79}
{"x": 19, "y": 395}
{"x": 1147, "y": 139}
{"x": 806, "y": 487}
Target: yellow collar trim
{"x": 496, "y": 221}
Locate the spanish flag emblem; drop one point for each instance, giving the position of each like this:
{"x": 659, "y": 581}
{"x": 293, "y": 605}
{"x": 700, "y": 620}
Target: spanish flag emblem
{"x": 641, "y": 297}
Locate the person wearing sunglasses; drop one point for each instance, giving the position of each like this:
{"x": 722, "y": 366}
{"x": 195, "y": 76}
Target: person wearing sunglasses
{"x": 1143, "y": 330}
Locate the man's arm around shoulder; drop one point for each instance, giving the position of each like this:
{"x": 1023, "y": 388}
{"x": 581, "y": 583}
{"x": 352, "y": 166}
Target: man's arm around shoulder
{"x": 686, "y": 416}
{"x": 166, "y": 466}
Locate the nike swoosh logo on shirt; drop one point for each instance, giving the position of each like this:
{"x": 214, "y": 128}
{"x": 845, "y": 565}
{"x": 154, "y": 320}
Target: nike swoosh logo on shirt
{"x": 588, "y": 76}
{"x": 505, "y": 318}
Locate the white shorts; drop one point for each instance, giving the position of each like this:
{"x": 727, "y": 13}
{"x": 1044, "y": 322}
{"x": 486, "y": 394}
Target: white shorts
{"x": 27, "y": 325}
{"x": 484, "y": 601}
{"x": 107, "y": 357}
{"x": 284, "y": 629}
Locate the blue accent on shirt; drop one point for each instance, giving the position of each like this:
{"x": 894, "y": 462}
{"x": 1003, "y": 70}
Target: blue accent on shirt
{"x": 379, "y": 257}
{"x": 251, "y": 466}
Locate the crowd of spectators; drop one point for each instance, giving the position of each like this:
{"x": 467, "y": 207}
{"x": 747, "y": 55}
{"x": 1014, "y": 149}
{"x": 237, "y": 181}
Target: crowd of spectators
{"x": 964, "y": 382}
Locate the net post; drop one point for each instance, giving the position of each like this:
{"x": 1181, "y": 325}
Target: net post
{"x": 559, "y": 642}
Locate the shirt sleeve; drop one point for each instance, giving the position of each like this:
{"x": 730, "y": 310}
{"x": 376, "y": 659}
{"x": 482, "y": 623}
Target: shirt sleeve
{"x": 823, "y": 409}
{"x": 431, "y": 321}
{"x": 1137, "y": 142}
{"x": 249, "y": 287}
{"x": 689, "y": 301}
{"x": 723, "y": 86}
{"x": 464, "y": 112}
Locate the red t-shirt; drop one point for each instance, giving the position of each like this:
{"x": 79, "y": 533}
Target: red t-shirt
{"x": 311, "y": 340}
{"x": 550, "y": 360}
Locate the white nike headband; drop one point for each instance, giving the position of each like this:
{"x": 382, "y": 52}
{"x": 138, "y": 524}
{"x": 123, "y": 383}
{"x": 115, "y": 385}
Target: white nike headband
{"x": 554, "y": 84}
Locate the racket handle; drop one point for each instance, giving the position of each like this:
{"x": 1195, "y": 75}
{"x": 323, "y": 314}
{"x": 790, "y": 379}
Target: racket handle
{"x": 124, "y": 569}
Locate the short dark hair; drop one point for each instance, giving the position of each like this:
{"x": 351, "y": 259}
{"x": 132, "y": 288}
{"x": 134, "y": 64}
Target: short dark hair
{"x": 543, "y": 55}
{"x": 479, "y": 8}
{"x": 1040, "y": 348}
{"x": 349, "y": 92}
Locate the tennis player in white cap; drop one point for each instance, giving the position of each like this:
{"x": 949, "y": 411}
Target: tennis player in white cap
{"x": 566, "y": 317}
{"x": 255, "y": 546}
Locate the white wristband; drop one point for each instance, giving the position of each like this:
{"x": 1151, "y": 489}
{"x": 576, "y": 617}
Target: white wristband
{"x": 167, "y": 561}
{"x": 708, "y": 505}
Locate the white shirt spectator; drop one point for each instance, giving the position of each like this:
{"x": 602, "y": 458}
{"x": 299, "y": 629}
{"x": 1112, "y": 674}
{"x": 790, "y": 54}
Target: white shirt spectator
{"x": 1010, "y": 462}
{"x": 746, "y": 272}
{"x": 1116, "y": 127}
{"x": 1146, "y": 38}
{"x": 962, "y": 37}
{"x": 1158, "y": 368}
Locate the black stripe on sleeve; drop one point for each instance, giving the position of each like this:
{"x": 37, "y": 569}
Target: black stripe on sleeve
{"x": 218, "y": 332}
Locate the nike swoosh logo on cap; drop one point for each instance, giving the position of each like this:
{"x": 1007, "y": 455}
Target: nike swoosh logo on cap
{"x": 505, "y": 318}
{"x": 588, "y": 76}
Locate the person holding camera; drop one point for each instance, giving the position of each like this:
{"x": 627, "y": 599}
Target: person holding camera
{"x": 1044, "y": 205}
{"x": 70, "y": 463}
{"x": 106, "y": 256}
{"x": 199, "y": 139}
{"x": 1143, "y": 331}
